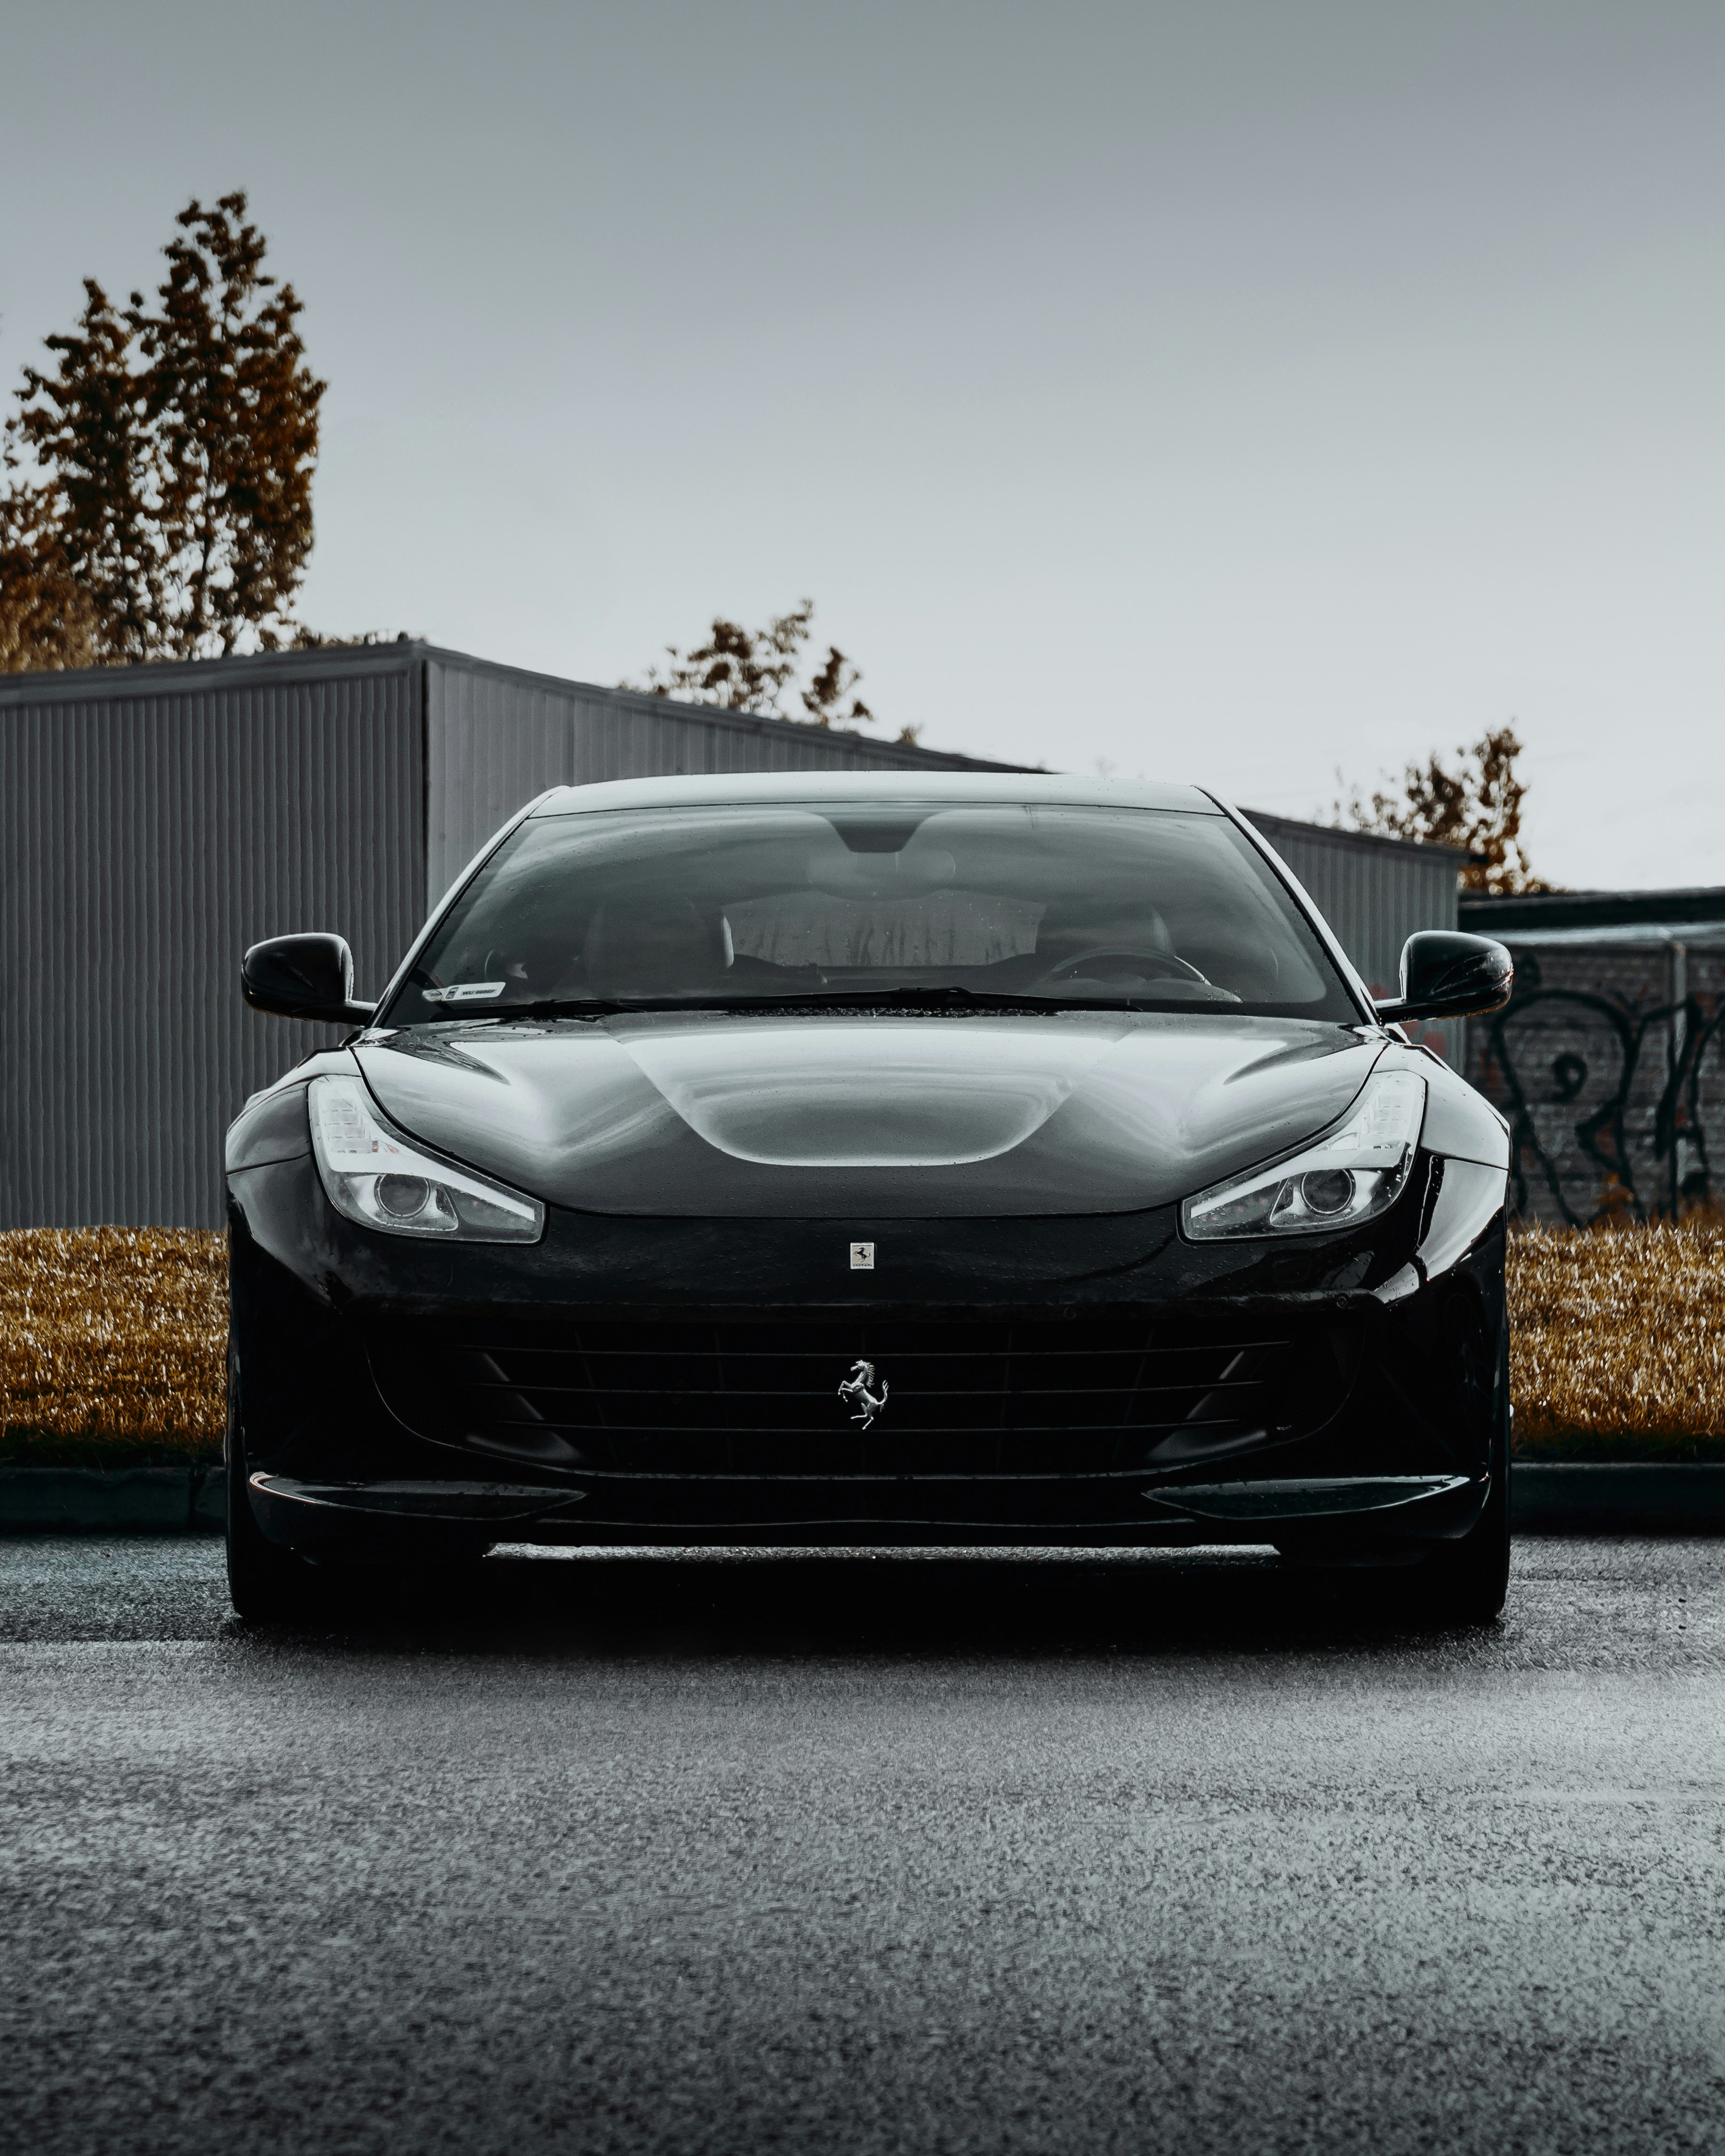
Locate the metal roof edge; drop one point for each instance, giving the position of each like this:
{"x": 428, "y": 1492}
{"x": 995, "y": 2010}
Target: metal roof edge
{"x": 1339, "y": 834}
{"x": 1591, "y": 909}
{"x": 711, "y": 714}
{"x": 158, "y": 677}
{"x": 1625, "y": 936}
{"x": 324, "y": 662}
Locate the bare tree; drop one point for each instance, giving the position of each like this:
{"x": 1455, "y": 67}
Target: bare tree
{"x": 1476, "y": 805}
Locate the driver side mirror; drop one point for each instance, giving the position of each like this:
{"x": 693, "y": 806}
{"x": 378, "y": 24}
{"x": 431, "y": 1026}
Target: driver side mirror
{"x": 303, "y": 977}
{"x": 1445, "y": 974}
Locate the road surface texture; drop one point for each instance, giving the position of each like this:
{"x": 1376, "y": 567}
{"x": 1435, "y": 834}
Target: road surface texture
{"x": 1171, "y": 1854}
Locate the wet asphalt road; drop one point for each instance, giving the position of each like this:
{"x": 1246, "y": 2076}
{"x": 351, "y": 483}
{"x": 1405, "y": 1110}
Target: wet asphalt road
{"x": 627, "y": 1853}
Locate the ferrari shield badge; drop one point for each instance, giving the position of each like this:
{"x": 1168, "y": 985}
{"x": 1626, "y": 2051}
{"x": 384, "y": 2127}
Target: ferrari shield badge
{"x": 859, "y": 1395}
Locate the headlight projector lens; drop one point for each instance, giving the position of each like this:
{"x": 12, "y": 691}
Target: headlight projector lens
{"x": 376, "y": 1175}
{"x": 404, "y": 1196}
{"x": 1328, "y": 1190}
{"x": 1355, "y": 1171}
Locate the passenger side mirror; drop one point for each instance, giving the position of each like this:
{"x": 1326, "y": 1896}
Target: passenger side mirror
{"x": 1445, "y": 974}
{"x": 303, "y": 977}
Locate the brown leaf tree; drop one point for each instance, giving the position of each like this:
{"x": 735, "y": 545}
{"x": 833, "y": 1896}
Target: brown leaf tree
{"x": 737, "y": 669}
{"x": 166, "y": 461}
{"x": 234, "y": 408}
{"x": 834, "y": 680}
{"x": 1475, "y": 804}
{"x": 84, "y": 508}
{"x": 46, "y": 620}
{"x": 743, "y": 670}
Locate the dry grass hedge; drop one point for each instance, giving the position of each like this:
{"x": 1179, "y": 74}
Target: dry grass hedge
{"x": 113, "y": 1343}
{"x": 1617, "y": 1344}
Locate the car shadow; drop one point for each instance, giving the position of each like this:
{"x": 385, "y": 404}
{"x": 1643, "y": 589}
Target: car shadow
{"x": 677, "y": 1604}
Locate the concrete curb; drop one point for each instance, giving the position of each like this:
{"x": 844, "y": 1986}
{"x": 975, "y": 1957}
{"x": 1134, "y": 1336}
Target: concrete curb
{"x": 1617, "y": 1497}
{"x": 122, "y": 1501}
{"x": 1546, "y": 1498}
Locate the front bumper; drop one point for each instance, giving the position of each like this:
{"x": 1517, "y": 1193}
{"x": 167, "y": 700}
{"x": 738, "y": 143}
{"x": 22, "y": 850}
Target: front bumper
{"x": 1084, "y": 1382}
{"x": 406, "y": 1516}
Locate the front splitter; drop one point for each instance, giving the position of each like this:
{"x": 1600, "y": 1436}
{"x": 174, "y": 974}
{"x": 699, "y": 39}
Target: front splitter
{"x": 312, "y": 1515}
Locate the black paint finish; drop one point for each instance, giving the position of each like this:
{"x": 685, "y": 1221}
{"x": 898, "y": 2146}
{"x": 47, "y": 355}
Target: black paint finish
{"x": 1446, "y": 974}
{"x": 716, "y": 1415}
{"x": 972, "y": 1216}
{"x": 310, "y": 977}
{"x": 727, "y": 1115}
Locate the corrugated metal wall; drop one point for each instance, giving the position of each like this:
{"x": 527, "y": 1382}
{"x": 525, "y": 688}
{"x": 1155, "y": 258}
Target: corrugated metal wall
{"x": 1375, "y": 893}
{"x": 154, "y": 822}
{"x": 497, "y": 737}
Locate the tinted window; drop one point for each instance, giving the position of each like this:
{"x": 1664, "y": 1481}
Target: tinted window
{"x": 737, "y": 904}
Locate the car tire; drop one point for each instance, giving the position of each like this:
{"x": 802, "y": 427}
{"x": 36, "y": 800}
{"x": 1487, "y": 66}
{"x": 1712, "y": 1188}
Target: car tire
{"x": 266, "y": 1583}
{"x": 1466, "y": 1581}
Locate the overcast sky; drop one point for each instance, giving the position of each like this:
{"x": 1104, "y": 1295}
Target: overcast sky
{"x": 1230, "y": 391}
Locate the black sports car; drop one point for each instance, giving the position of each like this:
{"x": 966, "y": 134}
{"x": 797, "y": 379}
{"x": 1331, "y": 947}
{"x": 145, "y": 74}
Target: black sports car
{"x": 871, "y": 1158}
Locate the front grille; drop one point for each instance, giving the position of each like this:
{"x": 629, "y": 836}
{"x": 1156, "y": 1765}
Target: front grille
{"x": 757, "y": 1394}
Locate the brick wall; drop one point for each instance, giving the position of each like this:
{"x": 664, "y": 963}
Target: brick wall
{"x": 1615, "y": 1094}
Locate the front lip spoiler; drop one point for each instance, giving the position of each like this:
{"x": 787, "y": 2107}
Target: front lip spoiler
{"x": 460, "y": 1504}
{"x": 294, "y": 1509}
{"x": 1314, "y": 1497}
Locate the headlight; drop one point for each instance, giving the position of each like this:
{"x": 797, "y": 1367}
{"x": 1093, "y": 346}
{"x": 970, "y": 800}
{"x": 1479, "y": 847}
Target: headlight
{"x": 1352, "y": 1173}
{"x": 382, "y": 1179}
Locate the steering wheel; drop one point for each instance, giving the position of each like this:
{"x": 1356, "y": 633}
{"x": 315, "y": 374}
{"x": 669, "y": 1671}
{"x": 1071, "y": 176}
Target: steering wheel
{"x": 1142, "y": 962}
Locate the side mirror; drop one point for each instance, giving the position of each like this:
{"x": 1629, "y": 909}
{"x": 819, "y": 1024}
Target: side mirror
{"x": 1445, "y": 974}
{"x": 303, "y": 977}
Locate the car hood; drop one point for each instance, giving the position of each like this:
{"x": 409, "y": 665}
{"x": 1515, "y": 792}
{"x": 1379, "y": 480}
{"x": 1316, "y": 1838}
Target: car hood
{"x": 863, "y": 1116}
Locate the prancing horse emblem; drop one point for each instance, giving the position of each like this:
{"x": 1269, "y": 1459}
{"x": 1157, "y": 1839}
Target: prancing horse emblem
{"x": 858, "y": 1392}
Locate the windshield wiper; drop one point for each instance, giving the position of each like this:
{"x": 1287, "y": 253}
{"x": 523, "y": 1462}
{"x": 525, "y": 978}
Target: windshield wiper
{"x": 935, "y": 998}
{"x": 947, "y": 996}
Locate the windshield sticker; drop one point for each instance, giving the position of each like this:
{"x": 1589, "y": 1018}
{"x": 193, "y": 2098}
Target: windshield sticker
{"x": 466, "y": 992}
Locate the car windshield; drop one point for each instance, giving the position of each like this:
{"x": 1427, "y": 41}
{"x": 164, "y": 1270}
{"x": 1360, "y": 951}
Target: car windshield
{"x": 890, "y": 901}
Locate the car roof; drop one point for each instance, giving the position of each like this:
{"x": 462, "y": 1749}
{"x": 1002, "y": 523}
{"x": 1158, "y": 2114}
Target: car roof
{"x": 716, "y": 788}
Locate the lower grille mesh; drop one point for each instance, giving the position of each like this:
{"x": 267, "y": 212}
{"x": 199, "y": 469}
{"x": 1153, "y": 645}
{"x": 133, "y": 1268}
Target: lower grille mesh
{"x": 961, "y": 1394}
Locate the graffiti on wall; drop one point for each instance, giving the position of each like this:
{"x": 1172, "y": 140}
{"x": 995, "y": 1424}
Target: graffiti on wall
{"x": 1609, "y": 1102}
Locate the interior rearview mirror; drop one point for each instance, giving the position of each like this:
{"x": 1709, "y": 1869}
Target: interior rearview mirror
{"x": 303, "y": 977}
{"x": 1445, "y": 974}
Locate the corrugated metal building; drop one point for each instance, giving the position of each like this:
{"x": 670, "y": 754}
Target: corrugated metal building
{"x": 1374, "y": 892}
{"x": 157, "y": 820}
